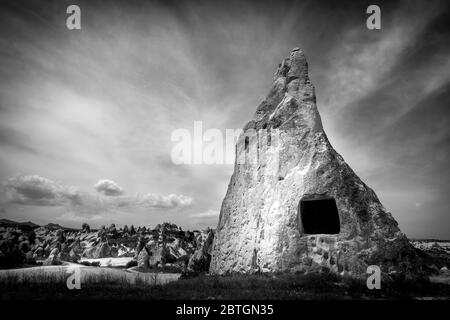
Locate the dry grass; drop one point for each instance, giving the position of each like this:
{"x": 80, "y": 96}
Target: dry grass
{"x": 259, "y": 286}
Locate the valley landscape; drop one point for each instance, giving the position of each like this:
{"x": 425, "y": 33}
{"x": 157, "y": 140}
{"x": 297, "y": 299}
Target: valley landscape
{"x": 172, "y": 150}
{"x": 168, "y": 263}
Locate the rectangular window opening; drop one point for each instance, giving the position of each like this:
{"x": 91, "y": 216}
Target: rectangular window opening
{"x": 318, "y": 214}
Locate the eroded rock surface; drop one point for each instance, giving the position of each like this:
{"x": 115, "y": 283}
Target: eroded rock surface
{"x": 260, "y": 226}
{"x": 165, "y": 245}
{"x": 201, "y": 258}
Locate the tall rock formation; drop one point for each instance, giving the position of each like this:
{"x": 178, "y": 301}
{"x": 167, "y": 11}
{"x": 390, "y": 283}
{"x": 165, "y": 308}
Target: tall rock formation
{"x": 293, "y": 203}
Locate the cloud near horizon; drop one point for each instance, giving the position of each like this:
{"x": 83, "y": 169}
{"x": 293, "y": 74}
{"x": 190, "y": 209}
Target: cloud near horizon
{"x": 207, "y": 214}
{"x": 34, "y": 190}
{"x": 38, "y": 191}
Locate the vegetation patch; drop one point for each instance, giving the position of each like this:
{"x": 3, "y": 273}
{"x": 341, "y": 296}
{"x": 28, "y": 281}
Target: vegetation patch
{"x": 237, "y": 286}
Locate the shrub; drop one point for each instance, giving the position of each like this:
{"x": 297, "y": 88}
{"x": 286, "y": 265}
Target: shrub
{"x": 11, "y": 258}
{"x": 85, "y": 227}
{"x": 131, "y": 263}
{"x": 90, "y": 264}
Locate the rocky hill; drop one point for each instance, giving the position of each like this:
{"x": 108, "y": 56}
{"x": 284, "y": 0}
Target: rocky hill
{"x": 166, "y": 244}
{"x": 293, "y": 203}
{"x": 5, "y": 223}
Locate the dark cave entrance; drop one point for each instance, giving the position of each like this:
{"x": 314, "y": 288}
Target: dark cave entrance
{"x": 247, "y": 140}
{"x": 318, "y": 214}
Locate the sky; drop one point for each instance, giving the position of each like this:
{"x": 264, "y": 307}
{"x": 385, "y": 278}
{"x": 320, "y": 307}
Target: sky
{"x": 86, "y": 116}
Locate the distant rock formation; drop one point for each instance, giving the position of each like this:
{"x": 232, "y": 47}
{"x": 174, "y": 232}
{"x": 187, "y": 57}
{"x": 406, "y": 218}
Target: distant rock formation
{"x": 201, "y": 258}
{"x": 166, "y": 245}
{"x": 293, "y": 203}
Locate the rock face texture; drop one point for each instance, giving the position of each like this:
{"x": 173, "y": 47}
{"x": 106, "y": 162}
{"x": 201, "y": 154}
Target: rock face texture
{"x": 293, "y": 203}
{"x": 167, "y": 245}
{"x": 201, "y": 258}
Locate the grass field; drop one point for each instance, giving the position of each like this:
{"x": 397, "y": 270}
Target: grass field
{"x": 103, "y": 285}
{"x": 57, "y": 275}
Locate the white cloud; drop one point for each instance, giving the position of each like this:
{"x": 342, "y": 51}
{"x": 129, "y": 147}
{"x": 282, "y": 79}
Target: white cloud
{"x": 71, "y": 216}
{"x": 39, "y": 191}
{"x": 207, "y": 214}
{"x": 169, "y": 201}
{"x": 151, "y": 200}
{"x": 108, "y": 188}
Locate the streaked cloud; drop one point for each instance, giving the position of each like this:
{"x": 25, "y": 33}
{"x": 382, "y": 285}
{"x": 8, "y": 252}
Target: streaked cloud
{"x": 365, "y": 60}
{"x": 103, "y": 102}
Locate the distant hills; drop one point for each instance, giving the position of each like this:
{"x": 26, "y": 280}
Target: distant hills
{"x": 6, "y": 223}
{"x": 9, "y": 223}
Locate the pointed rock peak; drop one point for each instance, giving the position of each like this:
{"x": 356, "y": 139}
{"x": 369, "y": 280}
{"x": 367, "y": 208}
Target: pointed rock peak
{"x": 292, "y": 98}
{"x": 299, "y": 66}
{"x": 293, "y": 204}
{"x": 294, "y": 67}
